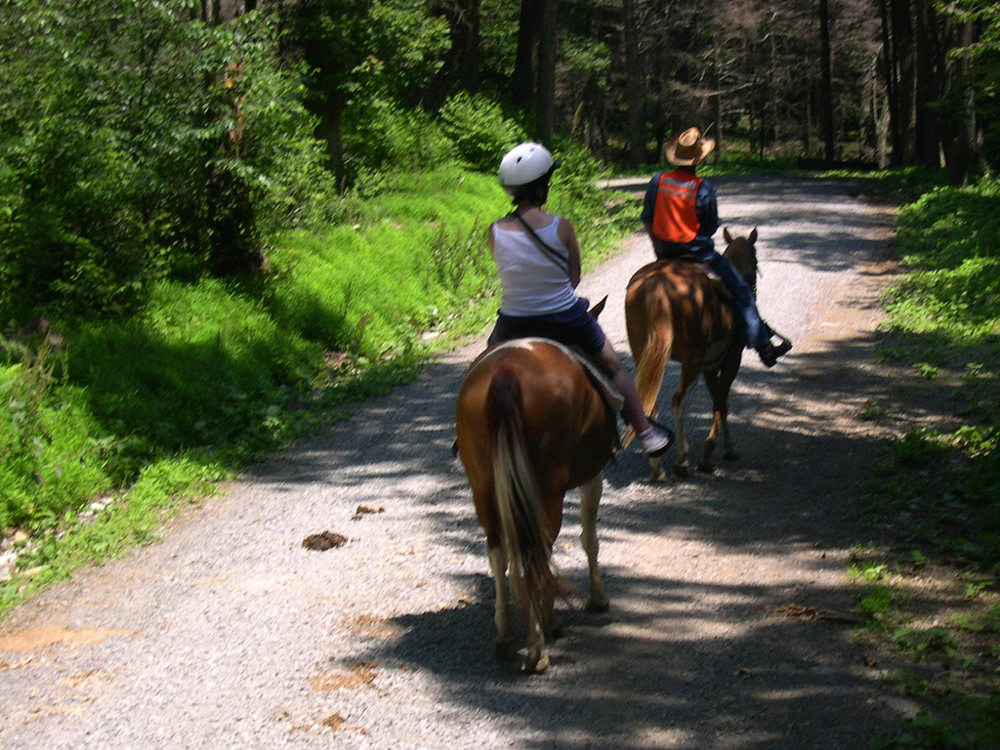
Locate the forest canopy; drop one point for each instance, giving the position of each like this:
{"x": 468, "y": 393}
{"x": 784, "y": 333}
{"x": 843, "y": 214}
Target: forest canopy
{"x": 170, "y": 139}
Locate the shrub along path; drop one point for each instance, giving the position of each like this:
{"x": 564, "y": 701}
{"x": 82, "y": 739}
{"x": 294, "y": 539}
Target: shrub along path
{"x": 731, "y": 620}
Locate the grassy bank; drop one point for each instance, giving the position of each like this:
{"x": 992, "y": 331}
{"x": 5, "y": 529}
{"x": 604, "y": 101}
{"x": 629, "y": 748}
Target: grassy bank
{"x": 114, "y": 424}
{"x": 928, "y": 575}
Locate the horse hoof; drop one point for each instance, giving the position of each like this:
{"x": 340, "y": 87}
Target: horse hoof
{"x": 538, "y": 666}
{"x": 706, "y": 468}
{"x": 682, "y": 471}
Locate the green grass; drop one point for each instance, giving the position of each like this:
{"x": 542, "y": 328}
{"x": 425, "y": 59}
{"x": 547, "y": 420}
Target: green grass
{"x": 935, "y": 491}
{"x": 138, "y": 416}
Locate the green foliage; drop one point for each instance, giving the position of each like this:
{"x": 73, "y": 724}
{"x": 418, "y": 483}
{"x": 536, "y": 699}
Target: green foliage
{"x": 479, "y": 130}
{"x": 139, "y": 143}
{"x": 366, "y": 289}
{"x": 939, "y": 492}
{"x": 573, "y": 193}
{"x": 385, "y": 139}
{"x": 49, "y": 460}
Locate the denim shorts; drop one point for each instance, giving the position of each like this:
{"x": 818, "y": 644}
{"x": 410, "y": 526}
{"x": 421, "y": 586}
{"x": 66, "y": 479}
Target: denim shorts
{"x": 572, "y": 327}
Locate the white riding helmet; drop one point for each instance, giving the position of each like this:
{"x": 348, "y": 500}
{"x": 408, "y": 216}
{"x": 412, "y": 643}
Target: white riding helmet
{"x": 524, "y": 164}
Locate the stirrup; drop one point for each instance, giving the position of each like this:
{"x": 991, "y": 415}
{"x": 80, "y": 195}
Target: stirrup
{"x": 784, "y": 347}
{"x": 769, "y": 353}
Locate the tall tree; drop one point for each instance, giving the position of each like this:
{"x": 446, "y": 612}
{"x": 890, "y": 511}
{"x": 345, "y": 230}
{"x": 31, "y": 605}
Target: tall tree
{"x": 460, "y": 68}
{"x": 523, "y": 80}
{"x": 826, "y": 85}
{"x": 635, "y": 92}
{"x": 547, "y": 47}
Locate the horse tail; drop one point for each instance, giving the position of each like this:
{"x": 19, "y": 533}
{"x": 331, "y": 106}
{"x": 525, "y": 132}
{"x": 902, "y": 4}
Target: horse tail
{"x": 523, "y": 533}
{"x": 655, "y": 352}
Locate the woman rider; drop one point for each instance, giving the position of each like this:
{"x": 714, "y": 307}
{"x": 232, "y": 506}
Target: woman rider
{"x": 538, "y": 260}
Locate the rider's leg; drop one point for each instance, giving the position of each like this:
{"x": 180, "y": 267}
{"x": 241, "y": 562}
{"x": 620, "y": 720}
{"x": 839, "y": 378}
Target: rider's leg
{"x": 758, "y": 332}
{"x": 654, "y": 440}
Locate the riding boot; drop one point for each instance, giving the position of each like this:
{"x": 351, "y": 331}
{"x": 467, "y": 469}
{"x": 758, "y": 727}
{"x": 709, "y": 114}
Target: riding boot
{"x": 768, "y": 352}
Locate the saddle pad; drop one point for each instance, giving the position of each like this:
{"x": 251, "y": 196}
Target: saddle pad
{"x": 611, "y": 395}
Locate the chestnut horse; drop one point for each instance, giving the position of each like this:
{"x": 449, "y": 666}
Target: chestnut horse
{"x": 675, "y": 310}
{"x": 531, "y": 425}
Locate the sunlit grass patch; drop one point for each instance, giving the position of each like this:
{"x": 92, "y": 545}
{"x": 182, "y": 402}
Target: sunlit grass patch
{"x": 934, "y": 492}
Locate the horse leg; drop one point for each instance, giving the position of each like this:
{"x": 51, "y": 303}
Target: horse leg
{"x": 537, "y": 658}
{"x": 504, "y": 642}
{"x": 590, "y": 496}
{"x": 688, "y": 378}
{"x": 728, "y": 376}
{"x": 719, "y": 409}
{"x": 719, "y": 384}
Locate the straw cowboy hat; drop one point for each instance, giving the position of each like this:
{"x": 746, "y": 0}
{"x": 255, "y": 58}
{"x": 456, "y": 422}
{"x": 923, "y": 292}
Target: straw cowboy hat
{"x": 688, "y": 148}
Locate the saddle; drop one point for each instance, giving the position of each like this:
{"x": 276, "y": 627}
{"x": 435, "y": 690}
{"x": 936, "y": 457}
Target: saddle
{"x": 704, "y": 268}
{"x": 611, "y": 395}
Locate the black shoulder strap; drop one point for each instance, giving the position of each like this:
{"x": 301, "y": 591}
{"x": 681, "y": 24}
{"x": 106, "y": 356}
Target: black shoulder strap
{"x": 559, "y": 260}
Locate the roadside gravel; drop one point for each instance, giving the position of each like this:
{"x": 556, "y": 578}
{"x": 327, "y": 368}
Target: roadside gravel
{"x": 730, "y": 622}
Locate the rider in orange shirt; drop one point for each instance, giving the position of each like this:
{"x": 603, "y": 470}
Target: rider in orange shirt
{"x": 680, "y": 213}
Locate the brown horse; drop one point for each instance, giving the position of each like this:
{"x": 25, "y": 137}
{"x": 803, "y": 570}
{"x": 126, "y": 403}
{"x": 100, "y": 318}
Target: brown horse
{"x": 531, "y": 425}
{"x": 675, "y": 310}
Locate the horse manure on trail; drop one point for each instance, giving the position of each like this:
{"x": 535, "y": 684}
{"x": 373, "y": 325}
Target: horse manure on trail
{"x": 324, "y": 541}
{"x": 364, "y": 510}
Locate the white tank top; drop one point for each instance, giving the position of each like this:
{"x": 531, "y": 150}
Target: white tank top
{"x": 532, "y": 282}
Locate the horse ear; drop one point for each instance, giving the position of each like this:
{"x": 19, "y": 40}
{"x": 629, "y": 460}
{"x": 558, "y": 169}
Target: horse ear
{"x": 727, "y": 235}
{"x": 599, "y": 307}
{"x": 753, "y": 236}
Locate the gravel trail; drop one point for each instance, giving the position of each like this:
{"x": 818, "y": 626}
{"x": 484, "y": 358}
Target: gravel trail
{"x": 729, "y": 624}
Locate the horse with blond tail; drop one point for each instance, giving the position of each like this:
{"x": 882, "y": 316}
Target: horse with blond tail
{"x": 675, "y": 310}
{"x": 531, "y": 425}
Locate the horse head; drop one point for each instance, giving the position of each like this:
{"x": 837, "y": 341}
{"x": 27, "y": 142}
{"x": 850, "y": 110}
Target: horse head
{"x": 742, "y": 253}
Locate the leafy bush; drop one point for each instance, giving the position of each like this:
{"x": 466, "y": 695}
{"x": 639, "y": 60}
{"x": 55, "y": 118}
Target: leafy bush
{"x": 479, "y": 130}
{"x": 138, "y": 143}
{"x": 384, "y": 139}
{"x": 48, "y": 460}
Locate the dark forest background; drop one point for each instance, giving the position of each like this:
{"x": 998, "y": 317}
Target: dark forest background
{"x": 170, "y": 138}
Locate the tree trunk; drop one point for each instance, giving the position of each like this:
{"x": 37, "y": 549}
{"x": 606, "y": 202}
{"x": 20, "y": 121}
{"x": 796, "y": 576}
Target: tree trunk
{"x": 330, "y": 130}
{"x": 523, "y": 81}
{"x": 460, "y": 68}
{"x": 901, "y": 28}
{"x": 635, "y": 93}
{"x": 927, "y": 89}
{"x": 826, "y": 83}
{"x": 546, "y": 99}
{"x": 960, "y": 148}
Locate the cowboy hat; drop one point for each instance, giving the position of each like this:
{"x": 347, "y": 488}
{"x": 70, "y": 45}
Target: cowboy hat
{"x": 688, "y": 148}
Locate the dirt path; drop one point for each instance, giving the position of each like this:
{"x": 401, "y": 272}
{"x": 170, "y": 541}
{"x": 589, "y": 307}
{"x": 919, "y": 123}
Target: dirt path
{"x": 229, "y": 633}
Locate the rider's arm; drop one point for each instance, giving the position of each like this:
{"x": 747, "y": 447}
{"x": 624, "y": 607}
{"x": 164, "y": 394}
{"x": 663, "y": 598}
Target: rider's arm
{"x": 567, "y": 235}
{"x": 707, "y": 206}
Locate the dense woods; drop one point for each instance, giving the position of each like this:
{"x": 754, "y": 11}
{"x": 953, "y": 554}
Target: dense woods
{"x": 145, "y": 140}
